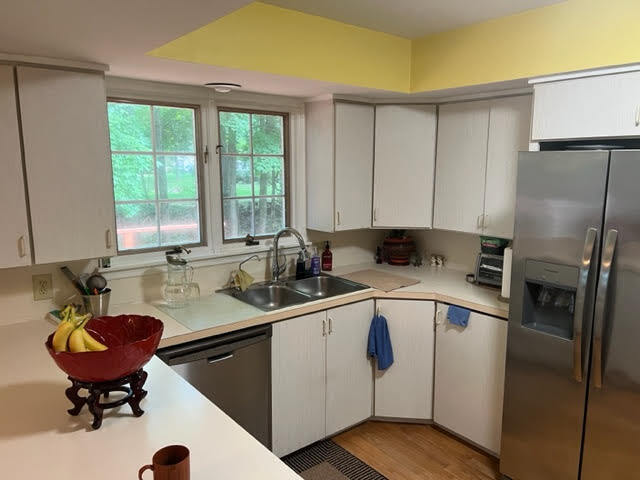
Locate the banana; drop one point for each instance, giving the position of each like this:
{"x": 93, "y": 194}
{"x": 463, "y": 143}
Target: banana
{"x": 61, "y": 336}
{"x": 76, "y": 341}
{"x": 91, "y": 343}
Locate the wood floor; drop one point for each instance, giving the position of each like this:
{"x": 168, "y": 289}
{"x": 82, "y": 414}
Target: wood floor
{"x": 403, "y": 451}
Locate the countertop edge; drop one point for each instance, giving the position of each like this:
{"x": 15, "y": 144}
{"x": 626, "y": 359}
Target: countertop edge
{"x": 320, "y": 305}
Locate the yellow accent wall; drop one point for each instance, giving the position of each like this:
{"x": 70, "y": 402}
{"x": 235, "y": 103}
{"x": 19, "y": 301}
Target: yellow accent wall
{"x": 271, "y": 39}
{"x": 573, "y": 35}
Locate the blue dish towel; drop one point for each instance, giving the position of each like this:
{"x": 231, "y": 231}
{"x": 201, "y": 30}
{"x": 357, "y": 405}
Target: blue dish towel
{"x": 379, "y": 345}
{"x": 458, "y": 316}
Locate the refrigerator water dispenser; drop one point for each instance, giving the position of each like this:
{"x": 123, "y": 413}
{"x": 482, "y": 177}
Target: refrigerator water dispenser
{"x": 549, "y": 298}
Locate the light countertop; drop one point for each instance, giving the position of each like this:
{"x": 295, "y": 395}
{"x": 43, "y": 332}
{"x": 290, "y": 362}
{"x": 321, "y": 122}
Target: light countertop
{"x": 39, "y": 439}
{"x": 219, "y": 313}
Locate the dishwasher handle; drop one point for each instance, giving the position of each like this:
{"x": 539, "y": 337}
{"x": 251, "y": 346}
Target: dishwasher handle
{"x": 214, "y": 347}
{"x": 220, "y": 358}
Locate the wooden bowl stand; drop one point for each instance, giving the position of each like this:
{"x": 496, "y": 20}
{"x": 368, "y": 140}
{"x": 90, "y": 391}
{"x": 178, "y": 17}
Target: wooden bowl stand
{"x": 134, "y": 395}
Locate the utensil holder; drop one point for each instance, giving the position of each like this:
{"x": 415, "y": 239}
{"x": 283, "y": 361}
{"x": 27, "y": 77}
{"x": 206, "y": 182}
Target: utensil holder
{"x": 97, "y": 305}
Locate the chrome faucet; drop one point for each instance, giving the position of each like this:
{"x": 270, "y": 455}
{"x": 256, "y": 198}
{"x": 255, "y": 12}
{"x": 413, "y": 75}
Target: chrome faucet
{"x": 278, "y": 269}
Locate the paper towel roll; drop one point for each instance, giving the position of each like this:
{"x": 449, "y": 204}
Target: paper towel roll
{"x": 506, "y": 272}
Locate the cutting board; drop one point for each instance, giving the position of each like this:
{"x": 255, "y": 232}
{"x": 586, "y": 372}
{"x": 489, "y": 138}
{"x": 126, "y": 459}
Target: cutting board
{"x": 380, "y": 280}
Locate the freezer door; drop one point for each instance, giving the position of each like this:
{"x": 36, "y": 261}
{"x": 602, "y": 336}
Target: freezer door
{"x": 559, "y": 211}
{"x": 612, "y": 433}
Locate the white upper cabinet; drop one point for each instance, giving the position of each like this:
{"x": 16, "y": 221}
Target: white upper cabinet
{"x": 509, "y": 124}
{"x": 461, "y": 166}
{"x": 353, "y": 165}
{"x": 66, "y": 149}
{"x": 469, "y": 377}
{"x": 405, "y": 141}
{"x": 476, "y": 167}
{"x": 339, "y": 150}
{"x": 592, "y": 107}
{"x": 405, "y": 389}
{"x": 14, "y": 235}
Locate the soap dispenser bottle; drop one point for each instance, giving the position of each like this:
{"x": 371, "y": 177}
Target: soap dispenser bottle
{"x": 327, "y": 258}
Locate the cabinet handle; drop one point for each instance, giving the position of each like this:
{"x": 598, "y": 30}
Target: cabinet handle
{"x": 108, "y": 238}
{"x": 324, "y": 327}
{"x": 375, "y": 214}
{"x": 438, "y": 317}
{"x": 22, "y": 247}
{"x": 330, "y": 325}
{"x": 479, "y": 221}
{"x": 485, "y": 221}
{"x": 637, "y": 116}
{"x": 338, "y": 213}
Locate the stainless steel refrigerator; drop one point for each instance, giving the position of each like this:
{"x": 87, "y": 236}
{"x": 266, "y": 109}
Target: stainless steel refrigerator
{"x": 572, "y": 390}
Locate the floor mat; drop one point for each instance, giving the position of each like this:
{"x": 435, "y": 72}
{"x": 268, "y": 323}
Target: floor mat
{"x": 327, "y": 460}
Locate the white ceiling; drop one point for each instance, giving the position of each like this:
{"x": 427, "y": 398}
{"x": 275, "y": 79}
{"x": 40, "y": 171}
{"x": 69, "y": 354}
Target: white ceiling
{"x": 119, "y": 33}
{"x": 411, "y": 18}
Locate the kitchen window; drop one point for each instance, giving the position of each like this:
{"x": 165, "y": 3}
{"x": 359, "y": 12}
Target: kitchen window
{"x": 156, "y": 174}
{"x": 254, "y": 168}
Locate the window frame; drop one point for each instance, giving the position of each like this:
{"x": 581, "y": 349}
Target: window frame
{"x": 285, "y": 158}
{"x": 200, "y": 160}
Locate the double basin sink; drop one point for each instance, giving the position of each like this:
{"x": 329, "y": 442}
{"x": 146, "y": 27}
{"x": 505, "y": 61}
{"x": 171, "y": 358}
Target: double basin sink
{"x": 273, "y": 296}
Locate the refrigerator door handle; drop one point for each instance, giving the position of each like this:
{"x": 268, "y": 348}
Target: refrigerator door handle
{"x": 578, "y": 316}
{"x": 601, "y": 305}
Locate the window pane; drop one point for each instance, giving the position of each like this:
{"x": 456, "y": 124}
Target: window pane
{"x": 133, "y": 177}
{"x": 236, "y": 176}
{"x": 268, "y": 176}
{"x": 129, "y": 127}
{"x": 269, "y": 213}
{"x": 237, "y": 218}
{"x": 136, "y": 225}
{"x": 179, "y": 223}
{"x": 174, "y": 129}
{"x": 235, "y": 136}
{"x": 177, "y": 177}
{"x": 267, "y": 134}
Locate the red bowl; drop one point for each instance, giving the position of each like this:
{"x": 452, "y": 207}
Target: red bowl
{"x": 132, "y": 341}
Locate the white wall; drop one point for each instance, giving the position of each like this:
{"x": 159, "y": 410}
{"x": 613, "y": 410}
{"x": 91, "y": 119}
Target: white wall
{"x": 16, "y": 294}
{"x": 460, "y": 249}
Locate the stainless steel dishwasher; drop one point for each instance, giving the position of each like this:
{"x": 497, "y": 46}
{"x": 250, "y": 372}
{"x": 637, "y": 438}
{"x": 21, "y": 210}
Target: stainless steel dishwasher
{"x": 234, "y": 371}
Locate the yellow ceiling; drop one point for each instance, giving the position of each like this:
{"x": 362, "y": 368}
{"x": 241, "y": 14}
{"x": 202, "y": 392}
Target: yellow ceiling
{"x": 574, "y": 35}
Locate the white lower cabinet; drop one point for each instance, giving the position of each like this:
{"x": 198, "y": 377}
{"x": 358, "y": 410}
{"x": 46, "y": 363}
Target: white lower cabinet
{"x": 405, "y": 390}
{"x": 298, "y": 382}
{"x": 321, "y": 376}
{"x": 349, "y": 374}
{"x": 469, "y": 377}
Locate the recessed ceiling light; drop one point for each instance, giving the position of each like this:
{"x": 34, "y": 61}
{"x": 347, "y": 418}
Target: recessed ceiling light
{"x": 223, "y": 87}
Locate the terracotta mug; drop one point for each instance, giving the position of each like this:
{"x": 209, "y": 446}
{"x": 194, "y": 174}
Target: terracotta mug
{"x": 169, "y": 463}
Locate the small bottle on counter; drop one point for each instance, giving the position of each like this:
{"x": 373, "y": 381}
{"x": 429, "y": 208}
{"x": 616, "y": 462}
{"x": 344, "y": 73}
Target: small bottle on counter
{"x": 315, "y": 262}
{"x": 327, "y": 258}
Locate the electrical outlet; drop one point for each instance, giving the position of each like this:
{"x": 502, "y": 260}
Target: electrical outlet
{"x": 42, "y": 286}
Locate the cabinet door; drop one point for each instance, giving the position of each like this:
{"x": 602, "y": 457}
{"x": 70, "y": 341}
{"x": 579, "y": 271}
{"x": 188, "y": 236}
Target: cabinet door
{"x": 509, "y": 125}
{"x": 405, "y": 389}
{"x": 469, "y": 379}
{"x": 298, "y": 382}
{"x": 64, "y": 124}
{"x": 349, "y": 371}
{"x": 461, "y": 166}
{"x": 353, "y": 165}
{"x": 14, "y": 235}
{"x": 404, "y": 166}
{"x": 593, "y": 107}
{"x": 319, "y": 140}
